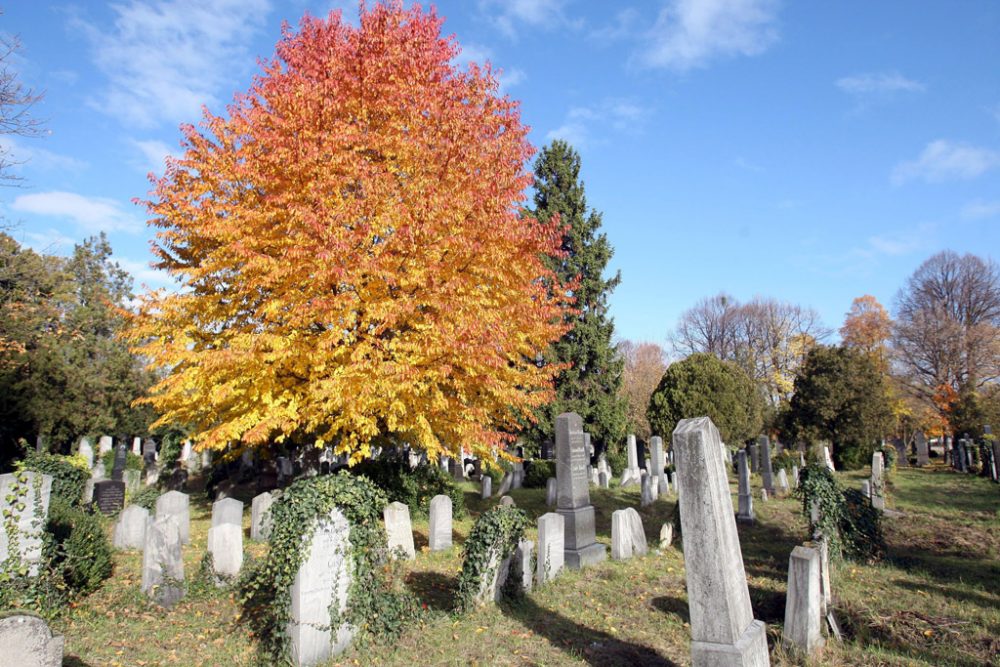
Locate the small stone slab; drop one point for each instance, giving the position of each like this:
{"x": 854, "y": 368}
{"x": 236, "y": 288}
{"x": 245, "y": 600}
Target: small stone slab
{"x": 551, "y": 492}
{"x": 130, "y": 531}
{"x": 551, "y": 544}
{"x": 177, "y": 505}
{"x": 109, "y": 496}
{"x": 399, "y": 529}
{"x": 439, "y": 537}
{"x": 225, "y": 543}
{"x": 260, "y": 517}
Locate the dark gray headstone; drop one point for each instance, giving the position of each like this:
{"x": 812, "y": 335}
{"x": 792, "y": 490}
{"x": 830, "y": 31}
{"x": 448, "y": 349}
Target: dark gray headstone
{"x": 109, "y": 496}
{"x": 121, "y": 456}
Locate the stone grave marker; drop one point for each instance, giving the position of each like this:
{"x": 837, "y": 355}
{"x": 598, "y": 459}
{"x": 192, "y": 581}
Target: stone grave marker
{"x": 24, "y": 501}
{"x": 133, "y": 481}
{"x": 260, "y": 517}
{"x": 723, "y": 629}
{"x": 522, "y": 564}
{"x": 137, "y": 446}
{"x": 795, "y": 477}
{"x": 551, "y": 546}
{"x": 631, "y": 474}
{"x": 646, "y": 496}
{"x": 322, "y": 582}
{"x": 659, "y": 463}
{"x": 573, "y": 497}
{"x": 603, "y": 480}
{"x": 506, "y": 501}
{"x": 505, "y": 484}
{"x": 177, "y": 505}
{"x": 86, "y": 450}
{"x": 827, "y": 459}
{"x": 109, "y": 496}
{"x": 766, "y": 471}
{"x": 121, "y": 456}
{"x": 130, "y": 530}
{"x": 517, "y": 480}
{"x": 877, "y": 482}
{"x": 149, "y": 455}
{"x": 487, "y": 483}
{"x": 802, "y": 632}
{"x": 783, "y": 481}
{"x": 26, "y": 641}
{"x": 745, "y": 498}
{"x": 104, "y": 444}
{"x": 551, "y": 492}
{"x": 162, "y": 565}
{"x": 440, "y": 523}
{"x": 923, "y": 452}
{"x": 398, "y": 528}
{"x": 666, "y": 535}
{"x": 627, "y": 535}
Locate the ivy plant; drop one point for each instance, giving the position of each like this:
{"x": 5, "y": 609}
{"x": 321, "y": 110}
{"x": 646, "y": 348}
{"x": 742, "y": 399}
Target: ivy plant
{"x": 495, "y": 533}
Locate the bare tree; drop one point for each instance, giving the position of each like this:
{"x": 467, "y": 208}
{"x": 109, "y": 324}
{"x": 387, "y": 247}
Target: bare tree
{"x": 948, "y": 324}
{"x": 16, "y": 103}
{"x": 645, "y": 364}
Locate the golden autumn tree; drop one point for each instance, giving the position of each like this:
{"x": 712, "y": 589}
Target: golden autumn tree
{"x": 868, "y": 327}
{"x": 355, "y": 261}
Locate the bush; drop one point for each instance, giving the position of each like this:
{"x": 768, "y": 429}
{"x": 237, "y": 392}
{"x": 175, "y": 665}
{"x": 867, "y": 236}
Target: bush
{"x": 81, "y": 551}
{"x": 69, "y": 474}
{"x": 499, "y": 529}
{"x": 617, "y": 458}
{"x": 413, "y": 487}
{"x": 846, "y": 518}
{"x": 537, "y": 473}
{"x": 784, "y": 460}
{"x": 145, "y": 497}
{"x": 376, "y": 604}
{"x": 132, "y": 461}
{"x": 861, "y": 528}
{"x": 703, "y": 385}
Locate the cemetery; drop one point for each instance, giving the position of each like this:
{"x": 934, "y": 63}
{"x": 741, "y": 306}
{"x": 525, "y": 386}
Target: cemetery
{"x": 378, "y": 411}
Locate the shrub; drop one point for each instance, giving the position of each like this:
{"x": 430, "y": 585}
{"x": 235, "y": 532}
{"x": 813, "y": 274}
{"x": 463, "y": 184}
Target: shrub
{"x": 846, "y": 518}
{"x": 861, "y": 528}
{"x": 537, "y": 473}
{"x": 145, "y": 497}
{"x": 498, "y": 530}
{"x": 82, "y": 554}
{"x": 374, "y": 604}
{"x": 617, "y": 458}
{"x": 784, "y": 460}
{"x": 413, "y": 487}
{"x": 703, "y": 385}
{"x": 69, "y": 474}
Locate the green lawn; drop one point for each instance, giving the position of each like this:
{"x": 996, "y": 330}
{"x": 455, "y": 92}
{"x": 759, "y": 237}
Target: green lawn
{"x": 935, "y": 601}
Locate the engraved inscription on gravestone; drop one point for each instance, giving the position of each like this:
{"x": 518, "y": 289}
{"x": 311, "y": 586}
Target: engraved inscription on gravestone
{"x": 109, "y": 496}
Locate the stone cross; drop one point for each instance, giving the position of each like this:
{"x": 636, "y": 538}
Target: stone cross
{"x": 130, "y": 531}
{"x": 573, "y": 496}
{"x": 551, "y": 546}
{"x": 28, "y": 642}
{"x": 439, "y": 532}
{"x": 766, "y": 471}
{"x": 260, "y": 517}
{"x": 321, "y": 583}
{"x": 745, "y": 513}
{"x": 162, "y": 565}
{"x": 18, "y": 506}
{"x": 398, "y": 530}
{"x": 176, "y": 505}
{"x": 803, "y": 603}
{"x": 723, "y": 629}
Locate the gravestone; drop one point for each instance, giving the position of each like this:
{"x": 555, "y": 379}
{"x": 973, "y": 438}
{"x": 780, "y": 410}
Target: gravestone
{"x": 745, "y": 499}
{"x": 766, "y": 471}
{"x": 551, "y": 491}
{"x": 521, "y": 568}
{"x": 177, "y": 505}
{"x": 133, "y": 480}
{"x": 878, "y": 481}
{"x": 603, "y": 480}
{"x": 440, "y": 523}
{"x": 763, "y": 495}
{"x": 118, "y": 469}
{"x": 795, "y": 477}
{"x": 627, "y": 535}
{"x": 573, "y": 497}
{"x": 631, "y": 475}
{"x": 961, "y": 456}
{"x": 86, "y": 450}
{"x": 104, "y": 444}
{"x": 658, "y": 462}
{"x": 675, "y": 483}
{"x": 227, "y": 510}
{"x": 866, "y": 489}
{"x": 24, "y": 503}
{"x": 88, "y": 491}
{"x": 505, "y": 483}
{"x": 225, "y": 543}
{"x": 26, "y": 641}
{"x": 162, "y": 565}
{"x": 130, "y": 531}
{"x": 802, "y": 632}
{"x": 152, "y": 472}
{"x": 321, "y": 583}
{"x": 109, "y": 496}
{"x": 398, "y": 529}
{"x": 137, "y": 446}
{"x": 666, "y": 535}
{"x": 723, "y": 629}
{"x": 458, "y": 470}
{"x": 783, "y": 481}
{"x": 149, "y": 454}
{"x": 551, "y": 546}
{"x": 517, "y": 481}
{"x": 260, "y": 517}
{"x": 546, "y": 452}
{"x": 827, "y": 459}
{"x": 902, "y": 460}
{"x": 506, "y": 501}
{"x": 753, "y": 451}
{"x": 487, "y": 483}
{"x": 646, "y": 494}
{"x": 595, "y": 477}
{"x": 177, "y": 480}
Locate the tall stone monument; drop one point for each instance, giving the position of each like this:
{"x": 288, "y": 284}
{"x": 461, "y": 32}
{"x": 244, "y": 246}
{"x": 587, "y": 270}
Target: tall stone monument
{"x": 573, "y": 498}
{"x": 766, "y": 471}
{"x": 745, "y": 512}
{"x": 659, "y": 462}
{"x": 723, "y": 630}
{"x": 631, "y": 475}
{"x": 923, "y": 454}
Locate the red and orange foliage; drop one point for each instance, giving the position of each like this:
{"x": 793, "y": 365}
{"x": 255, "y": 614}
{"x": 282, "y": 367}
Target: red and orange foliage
{"x": 354, "y": 258}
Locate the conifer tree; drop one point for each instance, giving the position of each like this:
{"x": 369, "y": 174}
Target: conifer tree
{"x": 590, "y": 383}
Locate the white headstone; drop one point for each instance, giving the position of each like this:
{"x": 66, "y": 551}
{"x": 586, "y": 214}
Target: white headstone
{"x": 487, "y": 482}
{"x": 130, "y": 531}
{"x": 86, "y": 450}
{"x": 666, "y": 535}
{"x": 105, "y": 444}
{"x": 225, "y": 543}
{"x": 551, "y": 545}
{"x": 628, "y": 538}
{"x": 783, "y": 481}
{"x": 137, "y": 446}
{"x": 631, "y": 475}
{"x": 176, "y": 505}
{"x": 440, "y": 523}
{"x": 398, "y": 528}
{"x": 162, "y": 565}
{"x": 260, "y": 517}
{"x": 26, "y": 641}
{"x": 24, "y": 501}
{"x": 803, "y": 603}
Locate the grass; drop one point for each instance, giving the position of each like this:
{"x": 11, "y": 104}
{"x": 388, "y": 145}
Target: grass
{"x": 934, "y": 601}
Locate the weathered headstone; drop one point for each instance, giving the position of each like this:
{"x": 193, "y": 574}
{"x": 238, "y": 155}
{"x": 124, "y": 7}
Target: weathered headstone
{"x": 646, "y": 496}
{"x": 505, "y": 484}
{"x": 923, "y": 453}
{"x": 162, "y": 565}
{"x": 795, "y": 477}
{"x": 227, "y": 510}
{"x": 766, "y": 471}
{"x": 26, "y": 641}
{"x": 658, "y": 462}
{"x": 723, "y": 630}
{"x": 439, "y": 536}
{"x": 149, "y": 454}
{"x": 104, "y": 444}
{"x": 802, "y": 632}
{"x": 627, "y": 535}
{"x": 177, "y": 505}
{"x": 321, "y": 583}
{"x": 666, "y": 535}
{"x": 753, "y": 454}
{"x": 827, "y": 459}
{"x": 86, "y": 450}
{"x": 745, "y": 499}
{"x": 522, "y": 564}
{"x": 487, "y": 483}
{"x": 225, "y": 543}
{"x": 260, "y": 517}
{"x": 506, "y": 501}
{"x": 866, "y": 489}
{"x": 88, "y": 491}
{"x": 631, "y": 475}
{"x": 517, "y": 480}
{"x": 137, "y": 446}
{"x": 573, "y": 500}
{"x": 121, "y": 456}
{"x": 603, "y": 480}
{"x": 878, "y": 481}
{"x": 783, "y": 481}
{"x": 398, "y": 528}
{"x": 24, "y": 503}
{"x": 551, "y": 491}
{"x": 130, "y": 530}
{"x": 551, "y": 545}
{"x": 763, "y": 495}
{"x": 133, "y": 480}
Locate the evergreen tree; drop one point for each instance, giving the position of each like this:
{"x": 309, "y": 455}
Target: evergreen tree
{"x": 591, "y": 383}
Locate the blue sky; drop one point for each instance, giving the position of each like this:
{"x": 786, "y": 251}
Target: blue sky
{"x": 811, "y": 152}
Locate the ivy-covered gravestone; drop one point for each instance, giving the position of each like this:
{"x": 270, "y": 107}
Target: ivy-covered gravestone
{"x": 488, "y": 551}
{"x": 24, "y": 506}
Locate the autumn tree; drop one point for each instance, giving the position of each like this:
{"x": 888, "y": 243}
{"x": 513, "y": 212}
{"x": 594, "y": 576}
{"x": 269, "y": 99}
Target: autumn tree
{"x": 643, "y": 370}
{"x": 947, "y": 330}
{"x": 356, "y": 268}
{"x": 868, "y": 327}
{"x": 591, "y": 373}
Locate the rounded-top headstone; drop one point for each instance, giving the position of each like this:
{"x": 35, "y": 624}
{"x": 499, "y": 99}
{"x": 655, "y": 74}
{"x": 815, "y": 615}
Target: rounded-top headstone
{"x": 26, "y": 641}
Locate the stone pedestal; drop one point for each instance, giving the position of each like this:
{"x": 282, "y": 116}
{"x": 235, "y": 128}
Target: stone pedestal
{"x": 802, "y": 632}
{"x": 573, "y": 493}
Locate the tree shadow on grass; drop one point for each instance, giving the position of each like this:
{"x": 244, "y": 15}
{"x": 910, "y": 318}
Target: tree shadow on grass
{"x": 434, "y": 589}
{"x": 673, "y": 606}
{"x": 983, "y": 600}
{"x": 594, "y": 646}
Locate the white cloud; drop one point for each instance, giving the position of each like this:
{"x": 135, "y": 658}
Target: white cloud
{"x": 19, "y": 153}
{"x": 944, "y": 160}
{"x": 165, "y": 59}
{"x": 144, "y": 274}
{"x": 978, "y": 210}
{"x": 691, "y": 33}
{"x": 507, "y": 15}
{"x": 91, "y": 214}
{"x": 878, "y": 83}
{"x": 50, "y": 241}
{"x": 624, "y": 26}
{"x": 621, "y": 115}
{"x": 154, "y": 152}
